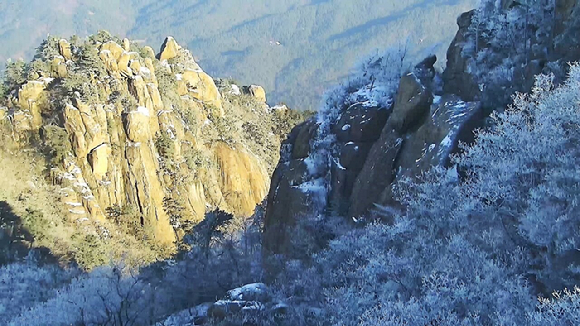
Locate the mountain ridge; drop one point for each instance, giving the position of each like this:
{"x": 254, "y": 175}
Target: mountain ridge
{"x": 142, "y": 141}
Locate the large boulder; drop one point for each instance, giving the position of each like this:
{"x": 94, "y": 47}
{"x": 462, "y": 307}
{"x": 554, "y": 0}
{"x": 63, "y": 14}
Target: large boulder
{"x": 456, "y": 77}
{"x": 169, "y": 49}
{"x": 411, "y": 105}
{"x": 58, "y": 67}
{"x": 137, "y": 125}
{"x": 257, "y": 92}
{"x": 65, "y": 49}
{"x": 287, "y": 203}
{"x": 377, "y": 173}
{"x": 115, "y": 49}
{"x": 360, "y": 123}
{"x": 33, "y": 100}
{"x": 448, "y": 121}
{"x": 99, "y": 160}
{"x": 246, "y": 303}
{"x": 243, "y": 180}
{"x": 201, "y": 86}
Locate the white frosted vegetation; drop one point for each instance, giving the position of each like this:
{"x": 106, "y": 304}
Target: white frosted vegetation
{"x": 475, "y": 249}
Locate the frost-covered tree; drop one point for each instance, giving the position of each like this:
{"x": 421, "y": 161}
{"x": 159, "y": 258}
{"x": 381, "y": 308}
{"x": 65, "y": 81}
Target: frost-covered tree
{"x": 25, "y": 284}
{"x": 505, "y": 36}
{"x": 102, "y": 297}
{"x": 478, "y": 242}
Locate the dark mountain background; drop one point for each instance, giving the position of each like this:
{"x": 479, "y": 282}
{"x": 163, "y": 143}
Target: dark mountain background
{"x": 294, "y": 48}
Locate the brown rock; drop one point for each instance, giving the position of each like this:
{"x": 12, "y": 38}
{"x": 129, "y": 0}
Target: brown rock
{"x": 149, "y": 65}
{"x": 279, "y": 219}
{"x": 65, "y": 49}
{"x": 32, "y": 98}
{"x": 123, "y": 64}
{"x": 341, "y": 185}
{"x": 137, "y": 125}
{"x": 58, "y": 68}
{"x": 243, "y": 179}
{"x": 147, "y": 192}
{"x": 76, "y": 129}
{"x": 452, "y": 121}
{"x": 94, "y": 124}
{"x": 155, "y": 97}
{"x": 110, "y": 61}
{"x": 353, "y": 155}
{"x": 169, "y": 49}
{"x": 99, "y": 160}
{"x": 135, "y": 66}
{"x": 115, "y": 49}
{"x": 201, "y": 86}
{"x": 222, "y": 309}
{"x": 258, "y": 93}
{"x": 126, "y": 45}
{"x": 148, "y": 53}
{"x": 196, "y": 201}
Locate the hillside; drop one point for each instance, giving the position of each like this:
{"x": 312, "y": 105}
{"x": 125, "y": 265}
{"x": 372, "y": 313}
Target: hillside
{"x": 414, "y": 196}
{"x": 137, "y": 146}
{"x": 319, "y": 40}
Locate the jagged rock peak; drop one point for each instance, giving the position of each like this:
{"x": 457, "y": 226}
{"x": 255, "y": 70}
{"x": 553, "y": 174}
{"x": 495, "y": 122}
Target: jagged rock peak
{"x": 169, "y": 49}
{"x": 148, "y": 142}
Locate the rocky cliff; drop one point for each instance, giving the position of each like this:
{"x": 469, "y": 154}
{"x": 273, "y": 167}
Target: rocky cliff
{"x": 143, "y": 140}
{"x": 389, "y": 123}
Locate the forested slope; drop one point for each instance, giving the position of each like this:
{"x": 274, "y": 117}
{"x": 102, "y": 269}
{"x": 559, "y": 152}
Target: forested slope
{"x": 319, "y": 41}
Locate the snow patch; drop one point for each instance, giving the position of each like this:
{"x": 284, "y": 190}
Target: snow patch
{"x": 337, "y": 162}
{"x": 142, "y": 110}
{"x": 447, "y": 141}
{"x": 249, "y": 289}
{"x": 145, "y": 72}
{"x": 235, "y": 90}
{"x": 315, "y": 187}
{"x": 311, "y": 164}
{"x": 73, "y": 204}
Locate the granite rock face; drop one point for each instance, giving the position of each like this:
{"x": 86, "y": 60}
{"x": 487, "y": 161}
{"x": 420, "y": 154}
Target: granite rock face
{"x": 140, "y": 133}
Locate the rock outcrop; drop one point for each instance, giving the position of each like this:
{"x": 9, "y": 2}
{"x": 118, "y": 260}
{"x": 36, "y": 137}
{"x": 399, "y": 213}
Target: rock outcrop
{"x": 350, "y": 167}
{"x": 146, "y": 136}
{"x": 373, "y": 147}
{"x": 251, "y": 300}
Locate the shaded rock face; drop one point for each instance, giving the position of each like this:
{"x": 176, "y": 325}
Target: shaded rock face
{"x": 456, "y": 78}
{"x": 373, "y": 148}
{"x": 354, "y": 168}
{"x": 140, "y": 153}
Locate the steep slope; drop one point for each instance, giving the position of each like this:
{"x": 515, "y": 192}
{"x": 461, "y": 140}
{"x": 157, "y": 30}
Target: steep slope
{"x": 141, "y": 142}
{"x": 389, "y": 123}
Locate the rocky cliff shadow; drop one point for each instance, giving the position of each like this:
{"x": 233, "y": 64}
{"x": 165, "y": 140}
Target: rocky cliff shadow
{"x": 16, "y": 241}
